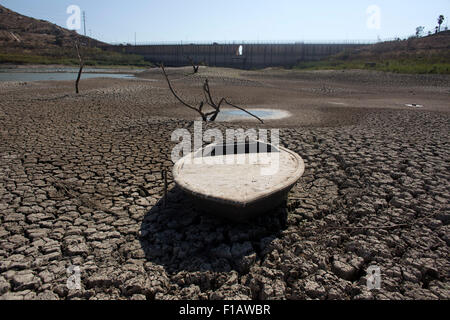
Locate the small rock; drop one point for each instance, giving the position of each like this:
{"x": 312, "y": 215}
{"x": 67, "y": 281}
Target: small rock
{"x": 136, "y": 285}
{"x": 77, "y": 249}
{"x": 47, "y": 295}
{"x": 22, "y": 281}
{"x": 314, "y": 290}
{"x": 344, "y": 270}
{"x": 4, "y": 285}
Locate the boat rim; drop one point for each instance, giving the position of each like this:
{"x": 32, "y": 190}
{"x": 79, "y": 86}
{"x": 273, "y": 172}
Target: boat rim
{"x": 261, "y": 195}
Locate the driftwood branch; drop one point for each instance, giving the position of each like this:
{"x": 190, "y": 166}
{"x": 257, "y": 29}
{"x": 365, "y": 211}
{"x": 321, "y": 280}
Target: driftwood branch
{"x": 209, "y": 101}
{"x": 80, "y": 59}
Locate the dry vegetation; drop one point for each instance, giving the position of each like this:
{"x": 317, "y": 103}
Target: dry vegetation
{"x": 429, "y": 54}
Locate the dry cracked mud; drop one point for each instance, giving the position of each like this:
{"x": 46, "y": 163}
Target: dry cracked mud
{"x": 80, "y": 184}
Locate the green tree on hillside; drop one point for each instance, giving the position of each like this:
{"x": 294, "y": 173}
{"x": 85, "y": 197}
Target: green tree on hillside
{"x": 440, "y": 21}
{"x": 419, "y": 31}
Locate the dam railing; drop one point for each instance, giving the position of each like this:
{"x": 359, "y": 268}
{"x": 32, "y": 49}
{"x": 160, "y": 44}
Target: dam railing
{"x": 236, "y": 55}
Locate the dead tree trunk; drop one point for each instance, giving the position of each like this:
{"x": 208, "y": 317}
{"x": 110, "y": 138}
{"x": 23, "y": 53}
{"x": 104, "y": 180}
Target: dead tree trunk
{"x": 80, "y": 59}
{"x": 194, "y": 66}
{"x": 209, "y": 102}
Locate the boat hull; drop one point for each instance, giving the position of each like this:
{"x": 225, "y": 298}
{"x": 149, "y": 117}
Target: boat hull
{"x": 238, "y": 212}
{"x": 242, "y": 189}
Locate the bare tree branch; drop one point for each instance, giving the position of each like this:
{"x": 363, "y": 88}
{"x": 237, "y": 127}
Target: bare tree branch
{"x": 209, "y": 101}
{"x": 208, "y": 93}
{"x": 242, "y": 109}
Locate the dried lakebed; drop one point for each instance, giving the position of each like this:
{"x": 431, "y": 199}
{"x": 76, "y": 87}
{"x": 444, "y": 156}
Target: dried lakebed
{"x": 80, "y": 184}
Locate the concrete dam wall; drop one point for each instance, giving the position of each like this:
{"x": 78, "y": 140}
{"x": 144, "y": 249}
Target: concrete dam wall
{"x": 245, "y": 56}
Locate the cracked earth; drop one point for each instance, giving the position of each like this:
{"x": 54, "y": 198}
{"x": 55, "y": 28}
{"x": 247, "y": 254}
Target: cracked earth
{"x": 81, "y": 184}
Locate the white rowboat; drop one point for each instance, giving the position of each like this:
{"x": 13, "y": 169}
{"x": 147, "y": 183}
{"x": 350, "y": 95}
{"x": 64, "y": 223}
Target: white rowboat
{"x": 238, "y": 181}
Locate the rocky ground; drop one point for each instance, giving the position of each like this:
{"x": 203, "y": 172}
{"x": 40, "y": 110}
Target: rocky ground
{"x": 80, "y": 184}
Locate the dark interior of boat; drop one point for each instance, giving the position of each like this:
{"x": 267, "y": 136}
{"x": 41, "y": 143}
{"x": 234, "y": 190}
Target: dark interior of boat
{"x": 238, "y": 148}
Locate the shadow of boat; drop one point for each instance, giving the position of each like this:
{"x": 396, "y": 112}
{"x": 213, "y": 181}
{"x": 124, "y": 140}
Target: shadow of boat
{"x": 176, "y": 235}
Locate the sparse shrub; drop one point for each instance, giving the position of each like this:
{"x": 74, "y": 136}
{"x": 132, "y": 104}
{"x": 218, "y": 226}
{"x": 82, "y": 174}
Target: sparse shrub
{"x": 419, "y": 31}
{"x": 440, "y": 21}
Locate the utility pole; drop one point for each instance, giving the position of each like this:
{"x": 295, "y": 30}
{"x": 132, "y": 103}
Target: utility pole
{"x": 84, "y": 22}
{"x": 135, "y": 39}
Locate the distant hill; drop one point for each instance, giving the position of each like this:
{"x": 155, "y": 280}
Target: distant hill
{"x": 27, "y": 40}
{"x": 430, "y": 54}
{"x": 21, "y": 32}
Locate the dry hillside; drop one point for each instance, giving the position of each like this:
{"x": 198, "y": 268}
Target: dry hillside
{"x": 25, "y": 40}
{"x": 19, "y": 32}
{"x": 436, "y": 44}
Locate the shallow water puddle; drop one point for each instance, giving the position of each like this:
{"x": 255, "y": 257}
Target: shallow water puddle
{"x": 265, "y": 114}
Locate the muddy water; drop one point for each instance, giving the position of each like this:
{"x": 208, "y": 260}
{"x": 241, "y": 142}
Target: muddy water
{"x": 57, "y": 76}
{"x": 23, "y": 73}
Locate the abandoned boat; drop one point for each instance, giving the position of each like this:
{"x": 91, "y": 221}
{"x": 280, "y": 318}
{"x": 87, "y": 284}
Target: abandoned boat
{"x": 238, "y": 181}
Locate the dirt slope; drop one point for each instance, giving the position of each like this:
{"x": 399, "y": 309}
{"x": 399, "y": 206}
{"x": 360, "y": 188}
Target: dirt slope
{"x": 436, "y": 44}
{"x": 21, "y": 32}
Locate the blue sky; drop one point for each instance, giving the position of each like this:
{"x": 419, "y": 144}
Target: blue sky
{"x": 240, "y": 20}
